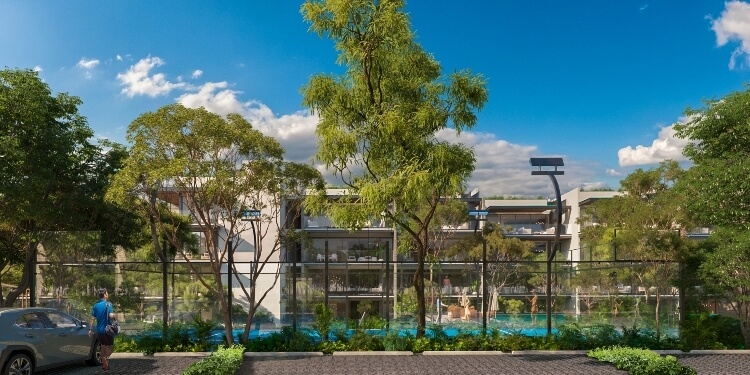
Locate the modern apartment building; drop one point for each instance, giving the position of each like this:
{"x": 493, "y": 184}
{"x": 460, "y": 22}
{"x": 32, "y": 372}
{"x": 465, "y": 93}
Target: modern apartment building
{"x": 351, "y": 269}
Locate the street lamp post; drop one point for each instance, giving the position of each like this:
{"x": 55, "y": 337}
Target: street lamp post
{"x": 481, "y": 215}
{"x": 252, "y": 216}
{"x": 230, "y": 275}
{"x": 245, "y": 215}
{"x": 551, "y": 162}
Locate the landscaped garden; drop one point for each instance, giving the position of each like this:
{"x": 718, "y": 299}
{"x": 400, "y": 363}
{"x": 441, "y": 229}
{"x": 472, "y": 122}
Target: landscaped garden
{"x": 628, "y": 348}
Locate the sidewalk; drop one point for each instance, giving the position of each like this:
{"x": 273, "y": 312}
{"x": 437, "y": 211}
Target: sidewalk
{"x": 135, "y": 364}
{"x": 396, "y": 363}
{"x": 476, "y": 363}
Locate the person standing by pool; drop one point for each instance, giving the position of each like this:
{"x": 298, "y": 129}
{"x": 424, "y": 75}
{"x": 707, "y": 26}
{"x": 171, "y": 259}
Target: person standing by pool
{"x": 100, "y": 315}
{"x": 534, "y": 306}
{"x": 446, "y": 286}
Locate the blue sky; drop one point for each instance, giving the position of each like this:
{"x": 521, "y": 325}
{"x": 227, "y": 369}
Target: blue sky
{"x": 599, "y": 83}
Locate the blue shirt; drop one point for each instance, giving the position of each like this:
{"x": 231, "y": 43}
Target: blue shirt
{"x": 101, "y": 311}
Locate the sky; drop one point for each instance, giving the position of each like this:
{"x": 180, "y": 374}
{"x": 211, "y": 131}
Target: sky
{"x": 599, "y": 83}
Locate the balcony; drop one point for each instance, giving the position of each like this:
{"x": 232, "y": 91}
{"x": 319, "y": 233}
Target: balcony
{"x": 317, "y": 222}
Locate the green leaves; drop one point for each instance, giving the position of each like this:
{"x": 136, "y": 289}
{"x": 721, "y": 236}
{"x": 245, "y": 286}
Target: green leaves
{"x": 378, "y": 122}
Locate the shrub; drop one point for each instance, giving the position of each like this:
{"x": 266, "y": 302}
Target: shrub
{"x": 288, "y": 340}
{"x": 395, "y": 342}
{"x": 223, "y": 361}
{"x": 710, "y": 331}
{"x": 329, "y": 347}
{"x": 323, "y": 320}
{"x": 203, "y": 330}
{"x": 180, "y": 337}
{"x": 361, "y": 341}
{"x": 640, "y": 361}
{"x": 571, "y": 337}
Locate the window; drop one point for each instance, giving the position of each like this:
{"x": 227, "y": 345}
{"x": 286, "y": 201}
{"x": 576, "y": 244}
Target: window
{"x": 30, "y": 320}
{"x": 61, "y": 321}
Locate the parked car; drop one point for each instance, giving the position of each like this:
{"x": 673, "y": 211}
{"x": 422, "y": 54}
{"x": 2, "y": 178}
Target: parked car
{"x": 36, "y": 338}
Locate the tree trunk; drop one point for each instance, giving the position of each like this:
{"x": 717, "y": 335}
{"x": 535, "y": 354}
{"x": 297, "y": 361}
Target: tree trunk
{"x": 226, "y": 309}
{"x": 744, "y": 315}
{"x": 656, "y": 309}
{"x": 419, "y": 289}
{"x": 250, "y": 314}
{"x": 25, "y": 277}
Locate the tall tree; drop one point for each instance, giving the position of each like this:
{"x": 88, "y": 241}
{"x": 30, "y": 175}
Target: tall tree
{"x": 52, "y": 178}
{"x": 715, "y": 191}
{"x": 378, "y": 122}
{"x": 650, "y": 227}
{"x": 211, "y": 169}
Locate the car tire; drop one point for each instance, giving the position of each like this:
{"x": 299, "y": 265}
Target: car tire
{"x": 19, "y": 364}
{"x": 96, "y": 355}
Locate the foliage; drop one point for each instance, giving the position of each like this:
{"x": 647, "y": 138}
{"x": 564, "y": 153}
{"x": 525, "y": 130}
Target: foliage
{"x": 709, "y": 331}
{"x": 570, "y": 337}
{"x": 287, "y": 340}
{"x": 640, "y": 361}
{"x": 407, "y": 302}
{"x": 361, "y": 341}
{"x": 393, "y": 341}
{"x": 128, "y": 344}
{"x": 725, "y": 271}
{"x": 514, "y": 306}
{"x": 52, "y": 178}
{"x": 217, "y": 167}
{"x": 328, "y": 347}
{"x": 637, "y": 337}
{"x": 646, "y": 225}
{"x": 226, "y": 360}
{"x": 262, "y": 315}
{"x": 715, "y": 186}
{"x": 378, "y": 123}
{"x": 180, "y": 337}
{"x": 203, "y": 329}
{"x": 576, "y": 337}
{"x": 715, "y": 194}
{"x": 323, "y": 319}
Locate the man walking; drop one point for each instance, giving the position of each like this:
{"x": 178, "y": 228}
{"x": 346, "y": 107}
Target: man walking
{"x": 100, "y": 315}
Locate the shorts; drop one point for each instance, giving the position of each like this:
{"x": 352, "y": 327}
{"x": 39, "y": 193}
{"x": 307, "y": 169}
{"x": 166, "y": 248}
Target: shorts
{"x": 105, "y": 339}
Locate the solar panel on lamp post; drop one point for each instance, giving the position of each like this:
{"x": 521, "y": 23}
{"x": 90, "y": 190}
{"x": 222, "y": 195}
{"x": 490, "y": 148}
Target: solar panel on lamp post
{"x": 551, "y": 162}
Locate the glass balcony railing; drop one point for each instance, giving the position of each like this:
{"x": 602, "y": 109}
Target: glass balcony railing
{"x": 312, "y": 222}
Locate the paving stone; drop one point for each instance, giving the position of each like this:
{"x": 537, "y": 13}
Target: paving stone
{"x": 537, "y": 364}
{"x": 132, "y": 365}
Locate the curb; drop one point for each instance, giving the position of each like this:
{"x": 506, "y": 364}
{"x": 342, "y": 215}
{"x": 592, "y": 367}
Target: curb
{"x": 126, "y": 355}
{"x": 281, "y": 354}
{"x": 380, "y": 353}
{"x": 182, "y": 354}
{"x": 549, "y": 352}
{"x": 459, "y": 352}
{"x": 722, "y": 351}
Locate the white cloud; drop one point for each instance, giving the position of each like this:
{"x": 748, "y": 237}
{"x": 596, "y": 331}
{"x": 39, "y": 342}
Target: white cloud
{"x": 197, "y": 73}
{"x": 137, "y": 80}
{"x": 734, "y": 25}
{"x": 87, "y": 64}
{"x": 118, "y": 57}
{"x": 612, "y": 172}
{"x": 38, "y": 69}
{"x": 502, "y": 168}
{"x": 295, "y": 132}
{"x": 666, "y": 146}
